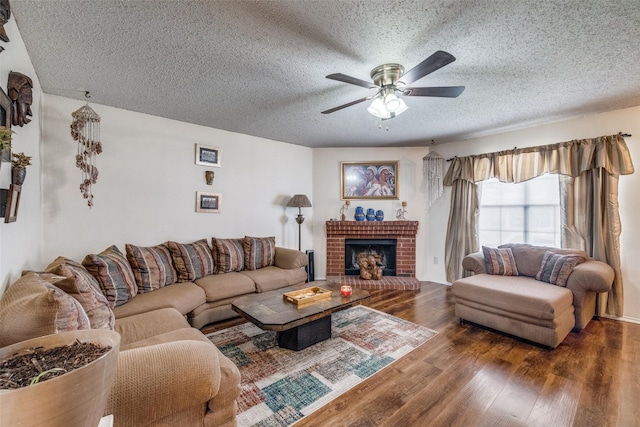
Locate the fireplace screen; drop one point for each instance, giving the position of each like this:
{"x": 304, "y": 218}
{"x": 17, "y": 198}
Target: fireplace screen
{"x": 384, "y": 248}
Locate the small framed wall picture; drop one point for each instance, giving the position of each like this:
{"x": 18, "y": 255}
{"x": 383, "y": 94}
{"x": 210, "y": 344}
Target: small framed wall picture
{"x": 208, "y": 202}
{"x": 207, "y": 156}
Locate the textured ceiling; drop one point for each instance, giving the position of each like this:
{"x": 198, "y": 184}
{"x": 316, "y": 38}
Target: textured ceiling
{"x": 259, "y": 67}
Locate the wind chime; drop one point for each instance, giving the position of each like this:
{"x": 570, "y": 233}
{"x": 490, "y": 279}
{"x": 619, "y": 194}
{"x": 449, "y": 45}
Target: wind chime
{"x": 433, "y": 170}
{"x": 85, "y": 129}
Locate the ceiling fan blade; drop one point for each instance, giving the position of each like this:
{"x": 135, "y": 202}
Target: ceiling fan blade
{"x": 351, "y": 80}
{"x": 332, "y": 110}
{"x": 443, "y": 91}
{"x": 429, "y": 65}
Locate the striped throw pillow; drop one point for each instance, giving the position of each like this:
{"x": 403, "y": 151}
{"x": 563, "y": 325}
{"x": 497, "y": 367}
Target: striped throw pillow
{"x": 82, "y": 286}
{"x": 500, "y": 261}
{"x": 33, "y": 307}
{"x": 152, "y": 267}
{"x": 228, "y": 255}
{"x": 113, "y": 273}
{"x": 192, "y": 261}
{"x": 555, "y": 268}
{"x": 259, "y": 252}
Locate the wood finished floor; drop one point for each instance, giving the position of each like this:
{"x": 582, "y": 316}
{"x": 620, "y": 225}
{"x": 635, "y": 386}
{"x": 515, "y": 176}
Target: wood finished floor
{"x": 471, "y": 376}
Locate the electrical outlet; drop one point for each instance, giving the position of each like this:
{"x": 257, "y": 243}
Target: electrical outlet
{"x": 435, "y": 259}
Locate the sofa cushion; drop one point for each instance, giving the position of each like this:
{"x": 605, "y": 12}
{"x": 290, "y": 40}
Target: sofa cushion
{"x": 270, "y": 278}
{"x": 191, "y": 260}
{"x": 85, "y": 289}
{"x": 529, "y": 257}
{"x": 152, "y": 266}
{"x": 32, "y": 307}
{"x": 186, "y": 333}
{"x": 226, "y": 285}
{"x": 228, "y": 255}
{"x": 520, "y": 295}
{"x": 184, "y": 297}
{"x": 142, "y": 326}
{"x": 556, "y": 268}
{"x": 259, "y": 252}
{"x": 500, "y": 261}
{"x": 113, "y": 273}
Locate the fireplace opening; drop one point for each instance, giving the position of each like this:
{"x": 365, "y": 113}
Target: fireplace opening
{"x": 384, "y": 248}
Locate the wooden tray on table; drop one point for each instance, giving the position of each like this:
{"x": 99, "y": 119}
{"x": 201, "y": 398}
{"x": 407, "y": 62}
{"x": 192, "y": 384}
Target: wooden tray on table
{"x": 307, "y": 295}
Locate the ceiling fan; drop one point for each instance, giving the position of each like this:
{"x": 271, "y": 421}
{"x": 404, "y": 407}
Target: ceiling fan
{"x": 390, "y": 80}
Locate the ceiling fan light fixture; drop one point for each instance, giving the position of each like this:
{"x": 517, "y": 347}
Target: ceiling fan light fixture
{"x": 402, "y": 108}
{"x": 378, "y": 109}
{"x": 391, "y": 102}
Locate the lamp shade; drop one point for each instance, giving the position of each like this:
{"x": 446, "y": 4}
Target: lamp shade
{"x": 299, "y": 201}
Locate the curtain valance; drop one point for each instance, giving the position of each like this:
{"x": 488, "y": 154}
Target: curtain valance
{"x": 567, "y": 158}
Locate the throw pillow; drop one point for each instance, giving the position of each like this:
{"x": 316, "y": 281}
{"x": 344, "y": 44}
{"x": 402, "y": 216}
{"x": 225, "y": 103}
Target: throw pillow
{"x": 82, "y": 286}
{"x": 33, "y": 307}
{"x": 259, "y": 252}
{"x": 556, "y": 268}
{"x": 228, "y": 255}
{"x": 192, "y": 261}
{"x": 113, "y": 273}
{"x": 151, "y": 266}
{"x": 499, "y": 261}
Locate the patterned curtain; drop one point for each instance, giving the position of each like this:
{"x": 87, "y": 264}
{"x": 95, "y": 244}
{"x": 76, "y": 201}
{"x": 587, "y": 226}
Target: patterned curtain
{"x": 589, "y": 198}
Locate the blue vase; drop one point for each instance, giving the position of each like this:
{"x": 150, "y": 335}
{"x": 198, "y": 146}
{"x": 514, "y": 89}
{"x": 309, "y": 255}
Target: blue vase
{"x": 379, "y": 215}
{"x": 371, "y": 215}
{"x": 359, "y": 215}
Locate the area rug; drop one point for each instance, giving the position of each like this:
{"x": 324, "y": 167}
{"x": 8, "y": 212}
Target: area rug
{"x": 280, "y": 386}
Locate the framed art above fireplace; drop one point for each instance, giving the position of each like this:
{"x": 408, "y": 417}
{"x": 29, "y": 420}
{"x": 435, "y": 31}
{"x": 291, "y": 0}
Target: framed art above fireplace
{"x": 369, "y": 180}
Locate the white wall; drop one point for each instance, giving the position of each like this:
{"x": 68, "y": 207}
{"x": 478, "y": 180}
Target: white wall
{"x": 146, "y": 189}
{"x": 626, "y": 121}
{"x": 21, "y": 241}
{"x": 327, "y": 198}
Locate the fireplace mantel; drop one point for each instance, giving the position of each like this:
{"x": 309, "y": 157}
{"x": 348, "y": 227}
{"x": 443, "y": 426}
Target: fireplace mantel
{"x": 404, "y": 231}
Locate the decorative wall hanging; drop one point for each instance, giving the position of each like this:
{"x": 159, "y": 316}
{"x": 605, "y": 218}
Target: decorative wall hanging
{"x": 85, "y": 129}
{"x": 433, "y": 170}
{"x": 370, "y": 180}
{"x": 12, "y": 203}
{"x": 208, "y": 176}
{"x": 5, "y": 127}
{"x": 207, "y": 156}
{"x": 19, "y": 168}
{"x": 208, "y": 202}
{"x": 20, "y": 88}
{"x": 5, "y": 14}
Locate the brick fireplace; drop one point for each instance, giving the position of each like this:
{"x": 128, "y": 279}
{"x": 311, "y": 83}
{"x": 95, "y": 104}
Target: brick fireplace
{"x": 404, "y": 232}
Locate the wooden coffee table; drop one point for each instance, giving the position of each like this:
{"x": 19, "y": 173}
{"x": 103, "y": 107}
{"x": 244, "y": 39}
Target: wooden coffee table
{"x": 297, "y": 327}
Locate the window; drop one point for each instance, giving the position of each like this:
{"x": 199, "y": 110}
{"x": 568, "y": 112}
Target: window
{"x": 526, "y": 212}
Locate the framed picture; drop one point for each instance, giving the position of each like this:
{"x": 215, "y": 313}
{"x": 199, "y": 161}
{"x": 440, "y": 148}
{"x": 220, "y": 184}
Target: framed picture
{"x": 369, "y": 180}
{"x": 13, "y": 202}
{"x": 5, "y": 120}
{"x": 208, "y": 202}
{"x": 207, "y": 156}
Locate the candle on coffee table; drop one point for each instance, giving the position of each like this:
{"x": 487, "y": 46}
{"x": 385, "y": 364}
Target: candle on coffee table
{"x": 346, "y": 290}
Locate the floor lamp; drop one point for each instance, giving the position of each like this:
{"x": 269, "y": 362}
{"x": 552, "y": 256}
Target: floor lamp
{"x": 299, "y": 201}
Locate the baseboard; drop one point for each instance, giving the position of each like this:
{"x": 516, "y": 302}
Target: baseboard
{"x": 623, "y": 319}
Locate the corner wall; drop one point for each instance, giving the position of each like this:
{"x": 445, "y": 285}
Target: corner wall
{"x": 146, "y": 189}
{"x": 327, "y": 203}
{"x": 21, "y": 241}
{"x": 626, "y": 121}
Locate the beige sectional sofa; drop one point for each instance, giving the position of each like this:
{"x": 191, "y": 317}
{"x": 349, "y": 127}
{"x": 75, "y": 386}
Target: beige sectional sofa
{"x": 169, "y": 373}
{"x": 522, "y": 302}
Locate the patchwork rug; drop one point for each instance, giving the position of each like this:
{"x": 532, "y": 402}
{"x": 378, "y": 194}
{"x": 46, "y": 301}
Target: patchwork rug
{"x": 280, "y": 386}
